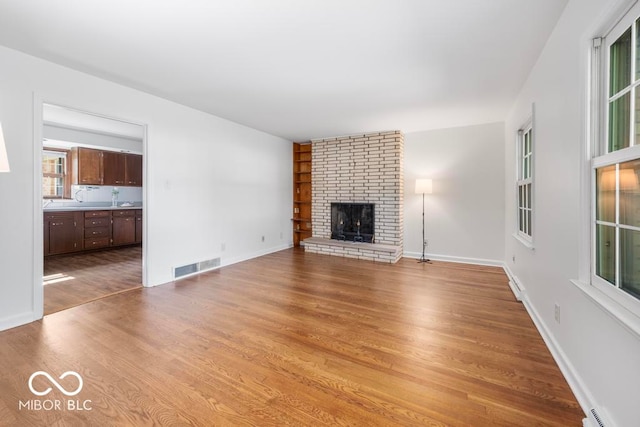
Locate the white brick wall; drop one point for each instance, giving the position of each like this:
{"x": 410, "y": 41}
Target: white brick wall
{"x": 364, "y": 168}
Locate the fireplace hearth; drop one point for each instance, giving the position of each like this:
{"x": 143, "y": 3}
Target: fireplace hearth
{"x": 353, "y": 222}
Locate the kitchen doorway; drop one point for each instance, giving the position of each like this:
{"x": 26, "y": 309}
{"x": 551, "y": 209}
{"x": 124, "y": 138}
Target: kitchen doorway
{"x": 92, "y": 206}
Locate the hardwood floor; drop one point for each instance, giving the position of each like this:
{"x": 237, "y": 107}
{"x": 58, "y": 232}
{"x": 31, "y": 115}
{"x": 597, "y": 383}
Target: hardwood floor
{"x": 295, "y": 339}
{"x": 72, "y": 280}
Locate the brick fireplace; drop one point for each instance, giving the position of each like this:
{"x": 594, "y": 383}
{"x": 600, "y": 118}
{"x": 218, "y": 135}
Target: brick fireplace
{"x": 363, "y": 168}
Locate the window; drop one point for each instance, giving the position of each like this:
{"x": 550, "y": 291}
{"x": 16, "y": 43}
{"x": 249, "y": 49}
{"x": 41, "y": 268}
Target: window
{"x": 524, "y": 183}
{"x": 616, "y": 167}
{"x": 56, "y": 181}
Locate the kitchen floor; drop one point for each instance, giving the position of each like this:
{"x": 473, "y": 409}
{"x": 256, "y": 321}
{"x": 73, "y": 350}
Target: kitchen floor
{"x": 72, "y": 280}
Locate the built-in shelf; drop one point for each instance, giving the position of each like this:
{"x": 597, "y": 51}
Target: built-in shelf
{"x": 301, "y": 192}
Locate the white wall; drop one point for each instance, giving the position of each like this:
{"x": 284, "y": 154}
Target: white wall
{"x": 86, "y": 138}
{"x": 465, "y": 214}
{"x": 208, "y": 181}
{"x": 597, "y": 354}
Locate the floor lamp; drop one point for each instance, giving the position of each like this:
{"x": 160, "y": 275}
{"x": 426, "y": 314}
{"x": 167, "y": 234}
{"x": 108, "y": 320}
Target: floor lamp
{"x": 424, "y": 186}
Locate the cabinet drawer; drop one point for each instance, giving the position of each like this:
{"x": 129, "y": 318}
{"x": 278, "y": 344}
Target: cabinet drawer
{"x": 128, "y": 212}
{"x": 99, "y": 242}
{"x": 96, "y": 214}
{"x": 94, "y": 232}
{"x": 97, "y": 222}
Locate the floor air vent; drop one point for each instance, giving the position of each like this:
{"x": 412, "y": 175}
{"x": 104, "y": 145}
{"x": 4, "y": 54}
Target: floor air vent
{"x": 595, "y": 418}
{"x": 197, "y": 267}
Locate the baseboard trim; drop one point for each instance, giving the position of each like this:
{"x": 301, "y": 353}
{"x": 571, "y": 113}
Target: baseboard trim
{"x": 232, "y": 260}
{"x": 450, "y": 258}
{"x": 17, "y": 320}
{"x": 514, "y": 283}
{"x": 581, "y": 392}
{"x": 257, "y": 254}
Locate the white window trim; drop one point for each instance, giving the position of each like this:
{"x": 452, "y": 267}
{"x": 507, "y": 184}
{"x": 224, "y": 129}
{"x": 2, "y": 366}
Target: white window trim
{"x": 525, "y": 239}
{"x": 624, "y": 308}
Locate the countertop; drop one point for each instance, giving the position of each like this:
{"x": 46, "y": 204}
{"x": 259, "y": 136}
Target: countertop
{"x": 88, "y": 207}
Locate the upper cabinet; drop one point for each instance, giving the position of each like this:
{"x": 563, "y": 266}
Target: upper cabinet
{"x": 133, "y": 170}
{"x": 114, "y": 168}
{"x": 86, "y": 165}
{"x": 97, "y": 167}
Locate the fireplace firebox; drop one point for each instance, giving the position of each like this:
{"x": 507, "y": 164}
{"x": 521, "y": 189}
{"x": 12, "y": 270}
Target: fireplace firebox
{"x": 353, "y": 222}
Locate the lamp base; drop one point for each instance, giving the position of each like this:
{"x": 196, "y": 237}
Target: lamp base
{"x": 422, "y": 259}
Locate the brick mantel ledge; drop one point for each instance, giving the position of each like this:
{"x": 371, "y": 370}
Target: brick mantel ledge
{"x": 369, "y": 251}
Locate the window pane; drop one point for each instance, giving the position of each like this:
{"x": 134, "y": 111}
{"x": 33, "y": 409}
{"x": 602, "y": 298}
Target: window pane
{"x": 606, "y": 194}
{"x": 52, "y": 187}
{"x": 619, "y": 123}
{"x": 620, "y": 63}
{"x": 606, "y": 252}
{"x": 630, "y": 193}
{"x": 528, "y": 196}
{"x": 630, "y": 261}
{"x": 637, "y": 49}
{"x": 529, "y": 223}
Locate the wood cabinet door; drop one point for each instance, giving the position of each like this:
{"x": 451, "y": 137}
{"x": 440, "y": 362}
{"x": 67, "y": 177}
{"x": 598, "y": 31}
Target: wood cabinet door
{"x": 63, "y": 234}
{"x": 124, "y": 230}
{"x": 90, "y": 166}
{"x": 138, "y": 226}
{"x": 114, "y": 168}
{"x": 133, "y": 170}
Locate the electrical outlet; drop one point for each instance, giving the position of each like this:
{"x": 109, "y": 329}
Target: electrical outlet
{"x": 557, "y": 312}
{"x": 223, "y": 247}
{"x": 281, "y": 235}
{"x": 263, "y": 238}
{"x": 513, "y": 258}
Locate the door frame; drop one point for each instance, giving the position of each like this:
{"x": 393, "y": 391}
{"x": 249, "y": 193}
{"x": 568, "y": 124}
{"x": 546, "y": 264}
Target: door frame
{"x": 38, "y": 235}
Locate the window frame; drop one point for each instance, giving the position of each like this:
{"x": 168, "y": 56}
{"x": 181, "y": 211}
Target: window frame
{"x": 66, "y": 175}
{"x": 524, "y": 197}
{"x": 600, "y": 156}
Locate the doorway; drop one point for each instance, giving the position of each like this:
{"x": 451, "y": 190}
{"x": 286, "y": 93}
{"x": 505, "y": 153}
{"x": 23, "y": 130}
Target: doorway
{"x": 92, "y": 206}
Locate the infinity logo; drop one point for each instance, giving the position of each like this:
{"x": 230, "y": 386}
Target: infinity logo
{"x": 55, "y": 383}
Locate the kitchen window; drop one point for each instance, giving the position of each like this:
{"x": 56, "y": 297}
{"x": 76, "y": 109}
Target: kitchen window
{"x": 56, "y": 179}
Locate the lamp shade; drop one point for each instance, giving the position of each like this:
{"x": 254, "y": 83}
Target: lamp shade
{"x": 4, "y": 160}
{"x": 424, "y": 186}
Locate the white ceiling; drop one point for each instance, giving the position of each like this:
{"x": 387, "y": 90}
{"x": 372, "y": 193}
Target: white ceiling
{"x": 301, "y": 69}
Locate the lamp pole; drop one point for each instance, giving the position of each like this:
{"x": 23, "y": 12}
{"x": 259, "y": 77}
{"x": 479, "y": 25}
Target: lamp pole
{"x": 423, "y": 258}
{"x": 423, "y": 186}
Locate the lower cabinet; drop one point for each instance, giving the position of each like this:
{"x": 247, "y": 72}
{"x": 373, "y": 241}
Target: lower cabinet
{"x": 139, "y": 226}
{"x": 62, "y": 232}
{"x": 123, "y": 227}
{"x": 76, "y": 231}
{"x": 97, "y": 229}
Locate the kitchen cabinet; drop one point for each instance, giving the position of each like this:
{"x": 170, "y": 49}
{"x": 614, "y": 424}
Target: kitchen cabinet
{"x": 138, "y": 225}
{"x": 87, "y": 166}
{"x": 76, "y": 231}
{"x": 114, "y": 168}
{"x": 98, "y": 167}
{"x": 122, "y": 169}
{"x": 62, "y": 232}
{"x": 97, "y": 229}
{"x": 123, "y": 227}
{"x": 133, "y": 170}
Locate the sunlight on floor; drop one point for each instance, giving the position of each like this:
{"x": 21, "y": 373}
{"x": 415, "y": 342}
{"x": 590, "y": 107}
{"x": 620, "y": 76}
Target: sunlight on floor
{"x": 56, "y": 278}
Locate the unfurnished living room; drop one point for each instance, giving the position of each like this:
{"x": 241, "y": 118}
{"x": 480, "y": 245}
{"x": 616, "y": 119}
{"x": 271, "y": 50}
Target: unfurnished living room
{"x": 319, "y": 213}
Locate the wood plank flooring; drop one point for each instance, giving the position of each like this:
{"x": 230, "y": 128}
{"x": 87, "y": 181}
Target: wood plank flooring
{"x": 71, "y": 280}
{"x": 296, "y": 339}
